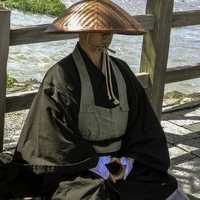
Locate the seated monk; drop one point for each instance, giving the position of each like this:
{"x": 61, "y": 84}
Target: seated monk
{"x": 91, "y": 132}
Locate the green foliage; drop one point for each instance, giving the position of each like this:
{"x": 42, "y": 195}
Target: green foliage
{"x": 1, "y": 5}
{"x": 49, "y": 7}
{"x": 10, "y": 81}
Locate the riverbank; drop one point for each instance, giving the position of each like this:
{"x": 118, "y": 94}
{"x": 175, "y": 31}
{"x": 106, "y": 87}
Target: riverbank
{"x": 28, "y": 85}
{"x": 47, "y": 7}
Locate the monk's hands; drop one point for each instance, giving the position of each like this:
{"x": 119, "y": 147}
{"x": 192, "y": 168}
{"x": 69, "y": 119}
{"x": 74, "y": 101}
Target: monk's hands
{"x": 117, "y": 170}
{"x": 120, "y": 176}
{"x": 113, "y": 169}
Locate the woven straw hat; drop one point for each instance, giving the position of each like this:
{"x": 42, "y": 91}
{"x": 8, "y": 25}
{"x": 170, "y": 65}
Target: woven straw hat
{"x": 102, "y": 16}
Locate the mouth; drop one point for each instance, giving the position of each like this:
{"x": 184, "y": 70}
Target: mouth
{"x": 103, "y": 44}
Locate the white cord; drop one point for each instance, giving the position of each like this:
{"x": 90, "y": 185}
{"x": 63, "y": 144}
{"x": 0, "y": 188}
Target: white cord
{"x": 106, "y": 69}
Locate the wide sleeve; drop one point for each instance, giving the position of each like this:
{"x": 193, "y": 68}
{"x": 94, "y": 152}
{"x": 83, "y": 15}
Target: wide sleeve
{"x": 50, "y": 137}
{"x": 145, "y": 140}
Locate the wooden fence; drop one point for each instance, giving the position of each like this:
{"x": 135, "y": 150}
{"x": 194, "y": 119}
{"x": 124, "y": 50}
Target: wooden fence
{"x": 158, "y": 21}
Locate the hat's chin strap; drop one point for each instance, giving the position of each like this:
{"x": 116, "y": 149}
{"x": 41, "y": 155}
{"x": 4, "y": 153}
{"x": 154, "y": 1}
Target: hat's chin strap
{"x": 106, "y": 69}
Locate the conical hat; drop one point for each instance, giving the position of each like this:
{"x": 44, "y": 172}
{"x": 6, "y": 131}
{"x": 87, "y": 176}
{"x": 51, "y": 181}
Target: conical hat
{"x": 96, "y": 16}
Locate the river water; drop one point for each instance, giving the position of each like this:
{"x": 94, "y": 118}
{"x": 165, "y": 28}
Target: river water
{"x": 32, "y": 61}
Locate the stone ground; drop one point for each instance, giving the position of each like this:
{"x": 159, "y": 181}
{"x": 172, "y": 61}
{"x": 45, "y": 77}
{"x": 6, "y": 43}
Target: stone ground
{"x": 182, "y": 129}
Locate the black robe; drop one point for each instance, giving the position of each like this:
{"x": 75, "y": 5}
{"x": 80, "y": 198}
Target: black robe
{"x": 51, "y": 145}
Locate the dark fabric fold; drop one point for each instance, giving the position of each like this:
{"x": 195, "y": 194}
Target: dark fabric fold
{"x": 47, "y": 137}
{"x": 145, "y": 140}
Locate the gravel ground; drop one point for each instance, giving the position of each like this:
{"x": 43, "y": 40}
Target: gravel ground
{"x": 13, "y": 125}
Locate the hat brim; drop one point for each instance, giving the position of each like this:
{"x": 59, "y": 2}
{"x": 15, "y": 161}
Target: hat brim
{"x": 98, "y": 17}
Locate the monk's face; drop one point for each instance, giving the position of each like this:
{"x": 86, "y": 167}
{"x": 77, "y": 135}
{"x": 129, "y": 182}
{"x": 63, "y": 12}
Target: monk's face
{"x": 97, "y": 40}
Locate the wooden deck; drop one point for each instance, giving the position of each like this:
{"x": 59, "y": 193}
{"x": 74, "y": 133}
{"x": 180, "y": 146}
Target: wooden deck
{"x": 182, "y": 129}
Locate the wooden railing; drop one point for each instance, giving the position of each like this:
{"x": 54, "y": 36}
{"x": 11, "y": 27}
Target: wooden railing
{"x": 158, "y": 21}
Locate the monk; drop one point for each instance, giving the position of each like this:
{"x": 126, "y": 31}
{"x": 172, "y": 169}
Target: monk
{"x": 91, "y": 132}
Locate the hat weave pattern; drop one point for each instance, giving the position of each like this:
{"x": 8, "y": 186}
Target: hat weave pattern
{"x": 96, "y": 16}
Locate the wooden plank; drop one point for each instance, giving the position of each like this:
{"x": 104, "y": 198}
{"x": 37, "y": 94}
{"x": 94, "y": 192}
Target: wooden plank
{"x": 186, "y": 18}
{"x": 19, "y": 101}
{"x": 35, "y": 34}
{"x": 144, "y": 79}
{"x": 22, "y": 100}
{"x": 175, "y": 108}
{"x": 147, "y": 21}
{"x": 156, "y": 48}
{"x": 4, "y": 49}
{"x": 182, "y": 73}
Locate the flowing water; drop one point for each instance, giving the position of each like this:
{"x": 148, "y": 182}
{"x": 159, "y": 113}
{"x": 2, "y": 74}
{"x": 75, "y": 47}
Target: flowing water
{"x": 32, "y": 61}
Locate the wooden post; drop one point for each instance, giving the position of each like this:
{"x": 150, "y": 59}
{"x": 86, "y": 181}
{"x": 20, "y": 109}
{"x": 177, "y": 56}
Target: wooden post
{"x": 4, "y": 49}
{"x": 156, "y": 48}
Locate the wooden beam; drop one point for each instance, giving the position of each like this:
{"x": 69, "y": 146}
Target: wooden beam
{"x": 22, "y": 100}
{"x": 4, "y": 49}
{"x": 35, "y": 34}
{"x": 186, "y": 18}
{"x": 156, "y": 48}
{"x": 19, "y": 101}
{"x": 182, "y": 73}
{"x": 147, "y": 21}
{"x": 144, "y": 79}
